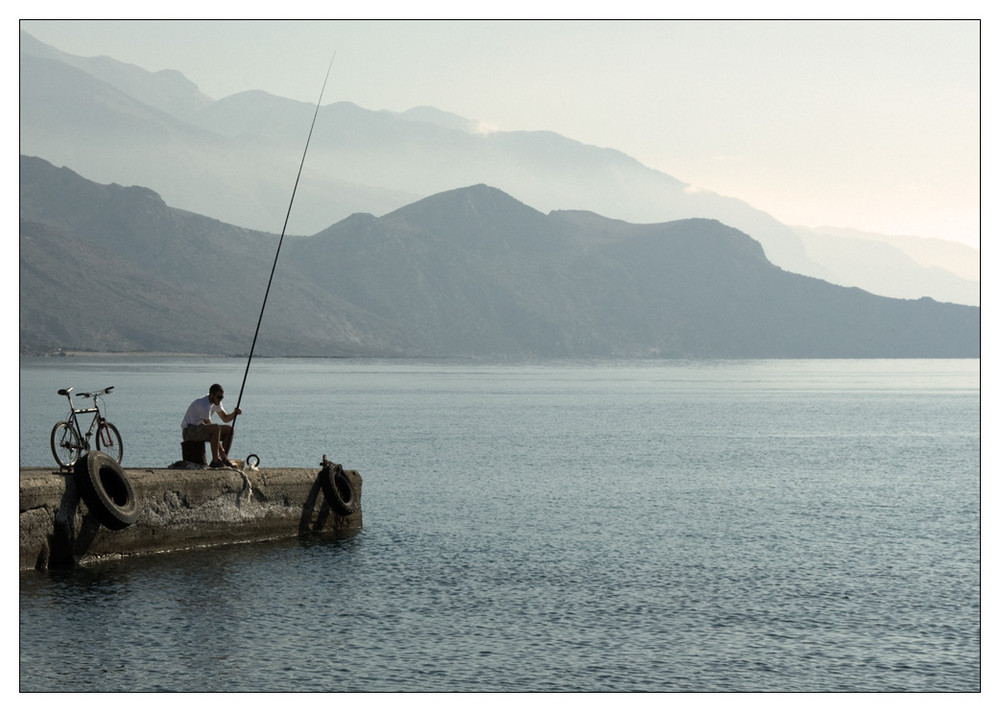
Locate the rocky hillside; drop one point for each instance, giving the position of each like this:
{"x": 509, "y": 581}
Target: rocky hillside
{"x": 469, "y": 272}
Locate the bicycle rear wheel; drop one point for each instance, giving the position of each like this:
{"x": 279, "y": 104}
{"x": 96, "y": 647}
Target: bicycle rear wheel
{"x": 66, "y": 444}
{"x": 109, "y": 441}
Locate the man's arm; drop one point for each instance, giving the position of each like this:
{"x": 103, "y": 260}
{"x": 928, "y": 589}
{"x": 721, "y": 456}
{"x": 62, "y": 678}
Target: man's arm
{"x": 228, "y": 417}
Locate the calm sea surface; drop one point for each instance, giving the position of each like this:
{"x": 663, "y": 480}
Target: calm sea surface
{"x": 620, "y": 526}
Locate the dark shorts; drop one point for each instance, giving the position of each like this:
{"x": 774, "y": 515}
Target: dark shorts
{"x": 197, "y": 433}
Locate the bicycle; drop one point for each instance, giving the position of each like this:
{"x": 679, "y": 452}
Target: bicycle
{"x": 69, "y": 441}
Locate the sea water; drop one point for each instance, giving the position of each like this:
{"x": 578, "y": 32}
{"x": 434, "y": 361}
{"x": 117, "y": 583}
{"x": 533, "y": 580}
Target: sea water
{"x": 613, "y": 526}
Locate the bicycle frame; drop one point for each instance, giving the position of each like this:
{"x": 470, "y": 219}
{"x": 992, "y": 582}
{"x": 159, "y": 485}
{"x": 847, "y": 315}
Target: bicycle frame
{"x": 95, "y": 409}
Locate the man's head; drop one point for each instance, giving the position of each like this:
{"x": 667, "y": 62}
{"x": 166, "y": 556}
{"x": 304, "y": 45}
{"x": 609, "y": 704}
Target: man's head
{"x": 215, "y": 393}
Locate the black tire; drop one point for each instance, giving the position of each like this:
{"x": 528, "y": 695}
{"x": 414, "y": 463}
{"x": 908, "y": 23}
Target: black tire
{"x": 339, "y": 490}
{"x": 66, "y": 444}
{"x": 109, "y": 441}
{"x": 106, "y": 490}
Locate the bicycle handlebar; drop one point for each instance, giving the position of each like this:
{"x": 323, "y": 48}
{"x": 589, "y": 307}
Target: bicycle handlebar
{"x": 103, "y": 391}
{"x": 67, "y": 391}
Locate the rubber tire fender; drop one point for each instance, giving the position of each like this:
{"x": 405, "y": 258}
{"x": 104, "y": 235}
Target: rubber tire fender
{"x": 106, "y": 490}
{"x": 339, "y": 490}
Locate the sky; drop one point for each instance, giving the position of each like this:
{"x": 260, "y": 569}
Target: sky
{"x": 873, "y": 125}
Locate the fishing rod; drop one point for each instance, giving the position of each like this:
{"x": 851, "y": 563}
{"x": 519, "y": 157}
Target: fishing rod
{"x": 277, "y": 252}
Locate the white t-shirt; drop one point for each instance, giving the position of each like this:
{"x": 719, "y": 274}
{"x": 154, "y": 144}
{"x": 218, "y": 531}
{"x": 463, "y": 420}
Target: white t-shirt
{"x": 200, "y": 411}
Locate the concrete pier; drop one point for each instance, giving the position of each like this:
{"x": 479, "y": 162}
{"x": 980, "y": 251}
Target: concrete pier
{"x": 176, "y": 510}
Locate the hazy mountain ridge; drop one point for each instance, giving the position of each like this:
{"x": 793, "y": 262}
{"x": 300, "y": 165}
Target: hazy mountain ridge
{"x": 961, "y": 260}
{"x": 235, "y": 159}
{"x": 167, "y": 90}
{"x": 897, "y": 265}
{"x": 470, "y": 272}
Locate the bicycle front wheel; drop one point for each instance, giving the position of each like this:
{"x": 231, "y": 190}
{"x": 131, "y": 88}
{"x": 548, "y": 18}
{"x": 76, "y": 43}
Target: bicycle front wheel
{"x": 109, "y": 441}
{"x": 66, "y": 444}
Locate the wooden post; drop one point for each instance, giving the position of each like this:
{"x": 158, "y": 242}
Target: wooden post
{"x": 192, "y": 451}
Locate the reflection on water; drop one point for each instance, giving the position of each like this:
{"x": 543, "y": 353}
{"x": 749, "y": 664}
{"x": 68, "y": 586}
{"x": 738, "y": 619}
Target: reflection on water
{"x": 734, "y": 527}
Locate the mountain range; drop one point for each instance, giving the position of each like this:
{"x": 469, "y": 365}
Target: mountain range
{"x": 468, "y": 272}
{"x": 234, "y": 159}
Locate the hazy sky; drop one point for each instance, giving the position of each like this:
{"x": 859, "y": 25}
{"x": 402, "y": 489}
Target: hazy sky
{"x": 865, "y": 124}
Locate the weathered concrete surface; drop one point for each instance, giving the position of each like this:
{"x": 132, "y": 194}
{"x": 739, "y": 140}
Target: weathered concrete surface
{"x": 178, "y": 509}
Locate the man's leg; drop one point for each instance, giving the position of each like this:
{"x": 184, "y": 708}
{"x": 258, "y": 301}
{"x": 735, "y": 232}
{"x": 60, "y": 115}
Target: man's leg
{"x": 226, "y": 439}
{"x": 213, "y": 440}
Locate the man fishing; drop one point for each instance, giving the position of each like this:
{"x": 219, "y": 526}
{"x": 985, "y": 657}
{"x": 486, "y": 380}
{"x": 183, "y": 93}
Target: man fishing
{"x": 198, "y": 420}
{"x": 197, "y": 425}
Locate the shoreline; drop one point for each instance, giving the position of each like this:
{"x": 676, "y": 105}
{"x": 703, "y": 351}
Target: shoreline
{"x": 123, "y": 354}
